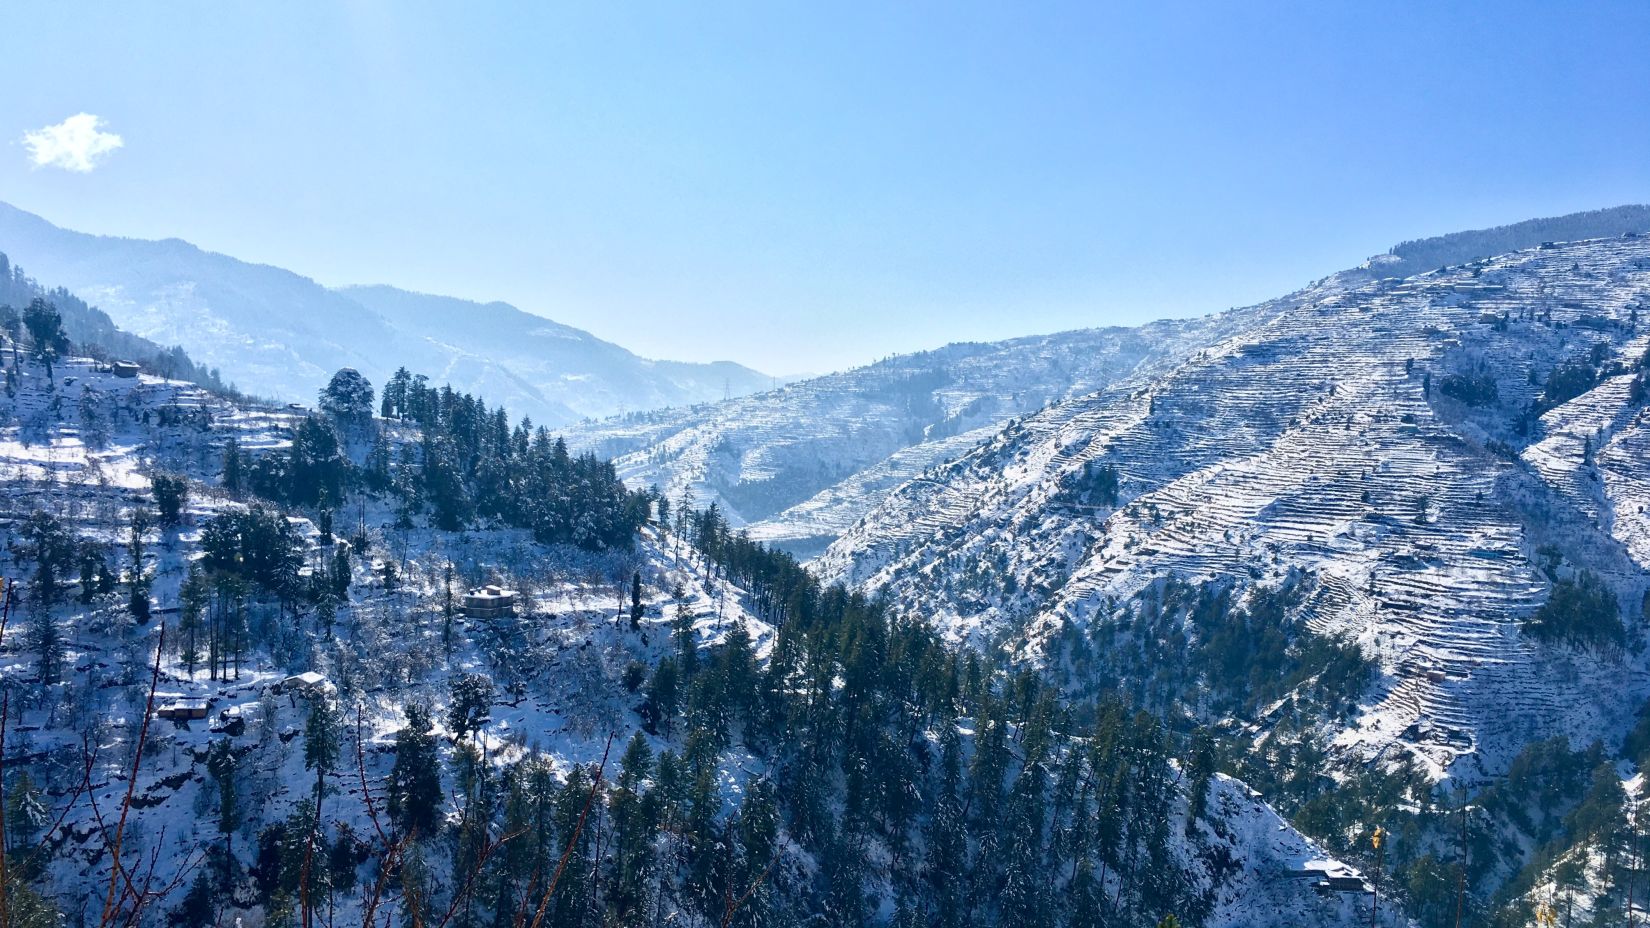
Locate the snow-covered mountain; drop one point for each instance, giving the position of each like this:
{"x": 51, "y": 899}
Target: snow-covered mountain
{"x": 801, "y": 464}
{"x": 214, "y": 804}
{"x": 278, "y": 334}
{"x": 1429, "y": 458}
{"x": 798, "y": 466}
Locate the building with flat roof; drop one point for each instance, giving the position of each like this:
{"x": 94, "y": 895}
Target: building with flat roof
{"x": 489, "y": 602}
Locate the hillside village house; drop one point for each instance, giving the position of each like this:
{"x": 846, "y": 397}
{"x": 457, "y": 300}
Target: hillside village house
{"x": 489, "y": 602}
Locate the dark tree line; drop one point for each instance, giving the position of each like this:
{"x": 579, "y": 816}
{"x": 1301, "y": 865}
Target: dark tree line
{"x": 890, "y": 768}
{"x": 467, "y": 467}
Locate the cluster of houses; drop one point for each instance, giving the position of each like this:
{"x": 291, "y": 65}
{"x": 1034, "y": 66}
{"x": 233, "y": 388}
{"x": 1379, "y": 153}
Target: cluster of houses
{"x": 306, "y": 685}
{"x": 487, "y": 602}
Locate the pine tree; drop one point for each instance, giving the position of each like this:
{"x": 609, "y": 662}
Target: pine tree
{"x": 687, "y": 642}
{"x": 46, "y": 641}
{"x": 1200, "y": 770}
{"x": 339, "y": 573}
{"x": 326, "y": 613}
{"x": 52, "y": 548}
{"x": 347, "y": 398}
{"x": 574, "y": 901}
{"x": 947, "y": 838}
{"x": 447, "y": 608}
{"x": 321, "y": 734}
{"x": 342, "y": 859}
{"x": 1086, "y": 898}
{"x": 45, "y": 327}
{"x": 471, "y": 705}
{"x": 171, "y": 494}
{"x": 757, "y": 831}
{"x": 633, "y": 822}
{"x": 233, "y": 479}
{"x": 737, "y": 669}
{"x": 663, "y": 695}
{"x": 91, "y": 559}
{"x": 192, "y": 605}
{"x": 222, "y": 763}
{"x": 139, "y": 600}
{"x": 1022, "y": 900}
{"x": 26, "y": 816}
{"x": 414, "y": 789}
{"x": 395, "y": 395}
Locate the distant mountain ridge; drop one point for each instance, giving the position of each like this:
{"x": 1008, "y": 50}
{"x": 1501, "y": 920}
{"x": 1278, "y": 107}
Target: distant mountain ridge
{"x": 549, "y": 362}
{"x": 277, "y": 333}
{"x": 799, "y": 466}
{"x": 93, "y": 333}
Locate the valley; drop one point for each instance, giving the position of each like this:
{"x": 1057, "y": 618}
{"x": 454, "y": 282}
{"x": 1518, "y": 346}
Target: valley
{"x": 1182, "y": 612}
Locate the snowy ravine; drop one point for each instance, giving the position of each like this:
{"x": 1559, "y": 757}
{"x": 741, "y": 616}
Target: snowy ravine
{"x": 1370, "y": 436}
{"x": 799, "y": 465}
{"x": 84, "y": 448}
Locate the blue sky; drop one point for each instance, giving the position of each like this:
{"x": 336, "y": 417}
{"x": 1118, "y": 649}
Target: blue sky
{"x": 802, "y": 187}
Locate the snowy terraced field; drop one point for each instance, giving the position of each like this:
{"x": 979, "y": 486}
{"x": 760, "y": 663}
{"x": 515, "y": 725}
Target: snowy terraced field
{"x": 84, "y": 449}
{"x": 1313, "y": 436}
{"x": 801, "y": 464}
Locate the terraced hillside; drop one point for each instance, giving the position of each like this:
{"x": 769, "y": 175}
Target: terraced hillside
{"x": 123, "y": 724}
{"x": 801, "y": 464}
{"x": 1425, "y": 458}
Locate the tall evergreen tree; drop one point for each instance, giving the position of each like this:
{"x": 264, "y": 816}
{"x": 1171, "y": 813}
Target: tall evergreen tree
{"x": 321, "y": 734}
{"x": 414, "y": 790}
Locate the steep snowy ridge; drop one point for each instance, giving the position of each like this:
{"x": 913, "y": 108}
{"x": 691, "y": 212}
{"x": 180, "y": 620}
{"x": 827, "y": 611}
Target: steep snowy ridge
{"x": 801, "y": 464}
{"x": 1319, "y": 439}
{"x": 86, "y": 447}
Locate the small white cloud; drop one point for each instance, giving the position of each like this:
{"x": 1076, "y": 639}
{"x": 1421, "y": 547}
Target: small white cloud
{"x": 75, "y": 144}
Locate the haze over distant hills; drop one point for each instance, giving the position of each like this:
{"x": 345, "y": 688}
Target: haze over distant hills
{"x": 1366, "y": 547}
{"x": 276, "y": 333}
{"x": 800, "y": 465}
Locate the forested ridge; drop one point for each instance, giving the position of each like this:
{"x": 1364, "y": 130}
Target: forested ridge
{"x": 783, "y": 751}
{"x": 886, "y": 776}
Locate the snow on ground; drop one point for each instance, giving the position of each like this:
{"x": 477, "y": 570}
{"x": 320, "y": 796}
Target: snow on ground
{"x": 1314, "y": 435}
{"x": 83, "y": 446}
{"x": 560, "y": 664}
{"x": 1282, "y": 889}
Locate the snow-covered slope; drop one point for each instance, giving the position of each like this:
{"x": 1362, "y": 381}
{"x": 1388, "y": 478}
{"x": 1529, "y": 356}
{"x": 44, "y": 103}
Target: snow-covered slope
{"x": 279, "y": 334}
{"x": 1320, "y": 438}
{"x": 800, "y": 464}
{"x": 84, "y": 448}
